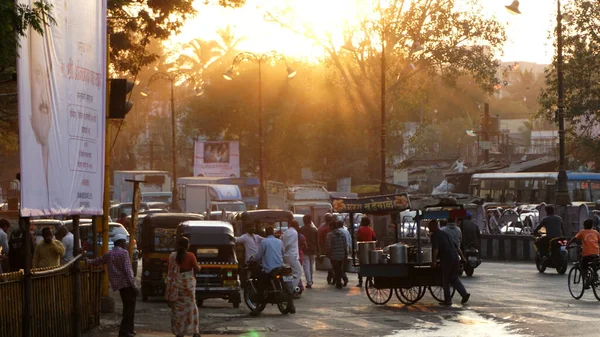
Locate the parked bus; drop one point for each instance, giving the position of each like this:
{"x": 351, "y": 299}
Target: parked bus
{"x": 248, "y": 186}
{"x": 533, "y": 187}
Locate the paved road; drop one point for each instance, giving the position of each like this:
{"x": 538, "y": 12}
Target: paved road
{"x": 508, "y": 299}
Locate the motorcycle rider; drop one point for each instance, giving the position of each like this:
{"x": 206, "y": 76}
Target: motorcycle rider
{"x": 270, "y": 254}
{"x": 554, "y": 229}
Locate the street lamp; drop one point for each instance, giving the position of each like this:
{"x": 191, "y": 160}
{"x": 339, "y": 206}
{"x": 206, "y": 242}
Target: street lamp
{"x": 172, "y": 78}
{"x": 416, "y": 50}
{"x": 562, "y": 192}
{"x": 228, "y": 75}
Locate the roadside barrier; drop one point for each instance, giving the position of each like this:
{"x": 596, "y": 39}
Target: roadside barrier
{"x": 507, "y": 247}
{"x": 63, "y": 301}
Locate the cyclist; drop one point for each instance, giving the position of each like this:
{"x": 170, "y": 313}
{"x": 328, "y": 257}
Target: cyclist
{"x": 589, "y": 243}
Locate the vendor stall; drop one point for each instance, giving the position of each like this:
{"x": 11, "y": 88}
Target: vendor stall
{"x": 405, "y": 270}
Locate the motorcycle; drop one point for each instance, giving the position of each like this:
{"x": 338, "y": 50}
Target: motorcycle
{"x": 278, "y": 291}
{"x": 556, "y": 257}
{"x": 473, "y": 260}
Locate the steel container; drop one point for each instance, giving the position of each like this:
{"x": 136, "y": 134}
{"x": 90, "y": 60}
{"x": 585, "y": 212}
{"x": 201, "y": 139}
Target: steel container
{"x": 398, "y": 253}
{"x": 426, "y": 255}
{"x": 375, "y": 256}
{"x": 364, "y": 247}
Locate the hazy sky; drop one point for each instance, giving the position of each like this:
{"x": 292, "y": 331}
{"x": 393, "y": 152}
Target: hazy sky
{"x": 527, "y": 33}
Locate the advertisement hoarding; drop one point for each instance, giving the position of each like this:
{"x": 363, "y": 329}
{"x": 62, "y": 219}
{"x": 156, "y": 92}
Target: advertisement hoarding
{"x": 216, "y": 158}
{"x": 62, "y": 81}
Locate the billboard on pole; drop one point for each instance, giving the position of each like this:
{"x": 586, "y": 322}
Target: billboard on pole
{"x": 216, "y": 158}
{"x": 62, "y": 81}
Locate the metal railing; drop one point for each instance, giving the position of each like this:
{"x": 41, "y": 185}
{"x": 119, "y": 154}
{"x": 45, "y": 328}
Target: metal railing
{"x": 65, "y": 300}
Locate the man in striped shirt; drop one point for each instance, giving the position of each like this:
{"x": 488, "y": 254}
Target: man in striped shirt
{"x": 120, "y": 276}
{"x": 337, "y": 252}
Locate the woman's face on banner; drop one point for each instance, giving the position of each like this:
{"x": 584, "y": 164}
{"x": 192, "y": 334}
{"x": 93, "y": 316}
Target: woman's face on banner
{"x": 40, "y": 89}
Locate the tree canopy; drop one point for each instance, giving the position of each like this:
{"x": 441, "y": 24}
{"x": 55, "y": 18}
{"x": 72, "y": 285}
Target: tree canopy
{"x": 326, "y": 118}
{"x": 581, "y": 50}
{"x": 133, "y": 24}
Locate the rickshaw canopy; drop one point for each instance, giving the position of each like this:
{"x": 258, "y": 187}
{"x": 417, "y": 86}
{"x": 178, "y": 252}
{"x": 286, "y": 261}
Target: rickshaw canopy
{"x": 216, "y": 233}
{"x": 267, "y": 215}
{"x": 165, "y": 223}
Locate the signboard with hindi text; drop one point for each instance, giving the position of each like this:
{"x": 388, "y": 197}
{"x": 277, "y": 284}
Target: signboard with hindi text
{"x": 62, "y": 95}
{"x": 382, "y": 204}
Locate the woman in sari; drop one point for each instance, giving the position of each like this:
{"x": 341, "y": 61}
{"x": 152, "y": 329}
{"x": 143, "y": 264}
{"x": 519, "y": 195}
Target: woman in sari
{"x": 181, "y": 290}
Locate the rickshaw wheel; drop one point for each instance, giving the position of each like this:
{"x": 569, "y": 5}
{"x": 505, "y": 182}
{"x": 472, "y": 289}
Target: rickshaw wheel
{"x": 437, "y": 292}
{"x": 410, "y": 295}
{"x": 377, "y": 296}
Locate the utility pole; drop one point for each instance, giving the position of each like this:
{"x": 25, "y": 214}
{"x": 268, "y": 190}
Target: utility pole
{"x": 151, "y": 155}
{"x": 486, "y": 133}
{"x": 135, "y": 206}
{"x": 107, "y": 304}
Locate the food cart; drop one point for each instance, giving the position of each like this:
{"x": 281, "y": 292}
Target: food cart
{"x": 411, "y": 279}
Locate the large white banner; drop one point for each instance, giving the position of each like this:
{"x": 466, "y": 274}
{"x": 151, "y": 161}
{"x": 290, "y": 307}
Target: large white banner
{"x": 62, "y": 80}
{"x": 217, "y": 159}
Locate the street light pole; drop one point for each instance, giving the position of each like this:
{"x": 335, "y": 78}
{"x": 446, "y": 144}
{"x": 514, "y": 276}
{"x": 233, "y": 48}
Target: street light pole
{"x": 562, "y": 192}
{"x": 228, "y": 75}
{"x": 262, "y": 190}
{"x": 175, "y": 193}
{"x": 172, "y": 78}
{"x": 382, "y": 149}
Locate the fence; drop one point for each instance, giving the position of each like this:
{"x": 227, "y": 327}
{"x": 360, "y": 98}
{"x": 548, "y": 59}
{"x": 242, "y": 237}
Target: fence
{"x": 64, "y": 301}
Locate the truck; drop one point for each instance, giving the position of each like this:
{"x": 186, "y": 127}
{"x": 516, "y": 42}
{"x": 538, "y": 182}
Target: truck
{"x": 248, "y": 186}
{"x": 307, "y": 199}
{"x": 197, "y": 198}
{"x": 157, "y": 186}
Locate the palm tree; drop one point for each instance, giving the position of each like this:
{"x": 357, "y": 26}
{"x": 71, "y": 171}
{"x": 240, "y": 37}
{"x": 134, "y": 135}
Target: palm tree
{"x": 227, "y": 43}
{"x": 197, "y": 55}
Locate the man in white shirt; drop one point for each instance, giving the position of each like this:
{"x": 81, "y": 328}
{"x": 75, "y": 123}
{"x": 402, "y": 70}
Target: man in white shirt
{"x": 291, "y": 256}
{"x": 250, "y": 241}
{"x": 66, "y": 238}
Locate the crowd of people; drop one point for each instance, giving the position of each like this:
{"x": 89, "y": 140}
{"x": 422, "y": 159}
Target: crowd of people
{"x": 53, "y": 250}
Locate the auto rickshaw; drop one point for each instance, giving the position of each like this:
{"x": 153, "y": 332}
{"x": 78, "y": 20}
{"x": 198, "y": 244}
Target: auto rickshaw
{"x": 157, "y": 243}
{"x": 213, "y": 243}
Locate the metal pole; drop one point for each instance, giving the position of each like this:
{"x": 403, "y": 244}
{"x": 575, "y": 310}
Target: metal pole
{"x": 351, "y": 229}
{"x": 107, "y": 302}
{"x": 562, "y": 193}
{"x": 134, "y": 216}
{"x": 486, "y": 132}
{"x": 151, "y": 155}
{"x": 94, "y": 236}
{"x": 175, "y": 202}
{"x": 262, "y": 191}
{"x": 382, "y": 175}
{"x": 419, "y": 253}
{"x": 77, "y": 305}
{"x": 24, "y": 223}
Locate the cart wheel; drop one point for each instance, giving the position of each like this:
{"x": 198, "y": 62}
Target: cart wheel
{"x": 377, "y": 296}
{"x": 410, "y": 295}
{"x": 437, "y": 292}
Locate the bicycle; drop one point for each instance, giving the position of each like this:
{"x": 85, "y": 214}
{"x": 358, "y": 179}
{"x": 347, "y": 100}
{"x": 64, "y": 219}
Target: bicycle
{"x": 578, "y": 283}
